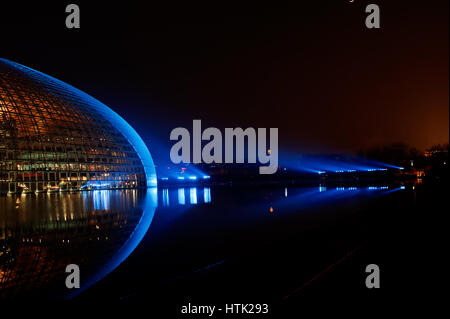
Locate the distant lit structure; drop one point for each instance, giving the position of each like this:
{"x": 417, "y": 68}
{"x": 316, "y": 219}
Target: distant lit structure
{"x": 189, "y": 174}
{"x": 54, "y": 137}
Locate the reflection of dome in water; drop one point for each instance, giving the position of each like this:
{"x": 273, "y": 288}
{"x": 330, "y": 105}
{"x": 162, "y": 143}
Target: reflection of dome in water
{"x": 40, "y": 235}
{"x": 55, "y": 137}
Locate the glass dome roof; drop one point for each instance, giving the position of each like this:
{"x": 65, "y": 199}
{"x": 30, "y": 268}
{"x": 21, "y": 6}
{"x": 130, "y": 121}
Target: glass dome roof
{"x": 54, "y": 137}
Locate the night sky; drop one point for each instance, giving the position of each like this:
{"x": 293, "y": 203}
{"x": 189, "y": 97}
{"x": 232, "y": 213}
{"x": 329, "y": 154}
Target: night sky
{"x": 314, "y": 70}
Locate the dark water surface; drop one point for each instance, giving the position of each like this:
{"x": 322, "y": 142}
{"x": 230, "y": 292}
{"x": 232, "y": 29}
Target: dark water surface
{"x": 41, "y": 234}
{"x": 207, "y": 244}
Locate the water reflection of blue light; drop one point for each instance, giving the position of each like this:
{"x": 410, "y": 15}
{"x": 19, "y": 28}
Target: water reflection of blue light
{"x": 207, "y": 195}
{"x": 165, "y": 197}
{"x": 193, "y": 195}
{"x": 309, "y": 197}
{"x": 101, "y": 199}
{"x": 181, "y": 197}
{"x": 148, "y": 205}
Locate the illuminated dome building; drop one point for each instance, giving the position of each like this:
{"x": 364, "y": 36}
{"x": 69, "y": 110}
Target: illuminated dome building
{"x": 54, "y": 137}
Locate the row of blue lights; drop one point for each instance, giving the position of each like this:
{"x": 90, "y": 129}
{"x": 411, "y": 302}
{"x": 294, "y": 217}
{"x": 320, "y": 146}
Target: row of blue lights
{"x": 353, "y": 170}
{"x": 356, "y": 188}
{"x": 190, "y": 177}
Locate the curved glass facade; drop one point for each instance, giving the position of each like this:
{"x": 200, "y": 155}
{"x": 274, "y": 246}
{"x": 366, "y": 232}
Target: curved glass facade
{"x": 54, "y": 137}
